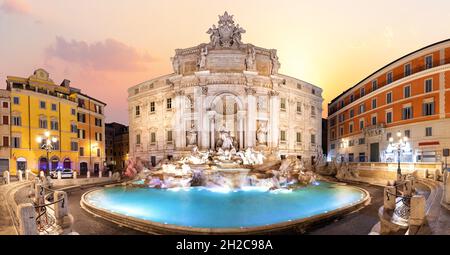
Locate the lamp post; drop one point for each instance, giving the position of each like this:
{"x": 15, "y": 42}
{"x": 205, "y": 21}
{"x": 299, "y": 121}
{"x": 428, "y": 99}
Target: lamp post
{"x": 47, "y": 146}
{"x": 401, "y": 144}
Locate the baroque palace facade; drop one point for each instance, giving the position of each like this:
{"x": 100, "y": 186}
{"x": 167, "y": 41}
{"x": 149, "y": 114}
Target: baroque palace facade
{"x": 224, "y": 94}
{"x": 35, "y": 105}
{"x": 410, "y": 97}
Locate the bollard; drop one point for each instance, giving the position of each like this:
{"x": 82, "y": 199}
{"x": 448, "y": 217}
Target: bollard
{"x": 109, "y": 174}
{"x": 389, "y": 198}
{"x": 88, "y": 174}
{"x": 20, "y": 175}
{"x": 447, "y": 187}
{"x": 59, "y": 175}
{"x": 99, "y": 174}
{"x": 437, "y": 174}
{"x": 27, "y": 219}
{"x": 6, "y": 177}
{"x": 417, "y": 215}
{"x": 74, "y": 174}
{"x": 41, "y": 174}
{"x": 61, "y": 208}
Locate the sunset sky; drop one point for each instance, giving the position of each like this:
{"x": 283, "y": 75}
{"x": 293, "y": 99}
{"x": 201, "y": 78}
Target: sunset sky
{"x": 107, "y": 46}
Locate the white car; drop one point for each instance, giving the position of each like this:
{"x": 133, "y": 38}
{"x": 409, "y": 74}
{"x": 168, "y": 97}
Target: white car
{"x": 65, "y": 173}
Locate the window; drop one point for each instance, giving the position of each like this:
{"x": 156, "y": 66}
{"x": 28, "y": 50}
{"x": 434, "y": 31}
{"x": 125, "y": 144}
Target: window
{"x": 152, "y": 106}
{"x": 17, "y": 121}
{"x": 16, "y": 100}
{"x": 169, "y": 135}
{"x": 388, "y": 136}
{"x": 313, "y": 139}
{"x": 98, "y": 136}
{"x": 362, "y": 157}
{"x": 169, "y": 103}
{"x": 374, "y": 120}
{"x": 361, "y": 141}
{"x": 429, "y": 61}
{"x": 374, "y": 103}
{"x": 362, "y": 108}
{"x": 138, "y": 139}
{"x": 352, "y": 98}
{"x": 153, "y": 137}
{"x": 313, "y": 91}
{"x": 82, "y": 133}
{"x": 342, "y": 104}
{"x": 81, "y": 151}
{"x": 428, "y": 131}
{"x": 136, "y": 91}
{"x": 5, "y": 120}
{"x": 362, "y": 92}
{"x": 42, "y": 105}
{"x": 350, "y": 128}
{"x": 73, "y": 128}
{"x": 389, "y": 98}
{"x": 407, "y": 91}
{"x": 313, "y": 111}
{"x": 332, "y": 146}
{"x": 5, "y": 104}
{"x": 53, "y": 107}
{"x": 81, "y": 117}
{"x": 351, "y": 157}
{"x": 389, "y": 78}
{"x": 98, "y": 108}
{"x": 351, "y": 143}
{"x": 299, "y": 107}
{"x": 98, "y": 152}
{"x": 283, "y": 104}
{"x": 283, "y": 136}
{"x": 137, "y": 110}
{"x": 428, "y": 109}
{"x": 299, "y": 137}
{"x": 408, "y": 133}
{"x": 407, "y": 69}
{"x": 98, "y": 122}
{"x": 6, "y": 141}
{"x": 56, "y": 145}
{"x": 407, "y": 113}
{"x": 428, "y": 85}
{"x": 361, "y": 124}
{"x": 352, "y": 113}
{"x": 42, "y": 123}
{"x": 374, "y": 85}
{"x": 15, "y": 142}
{"x": 54, "y": 125}
{"x": 72, "y": 111}
{"x": 73, "y": 146}
{"x": 299, "y": 86}
{"x": 389, "y": 117}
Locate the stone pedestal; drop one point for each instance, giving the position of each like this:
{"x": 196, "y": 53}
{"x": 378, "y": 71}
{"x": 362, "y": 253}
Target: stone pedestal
{"x": 27, "y": 219}
{"x": 61, "y": 208}
{"x": 417, "y": 216}
{"x": 99, "y": 174}
{"x": 6, "y": 177}
{"x": 75, "y": 174}
{"x": 41, "y": 174}
{"x": 19, "y": 173}
{"x": 88, "y": 174}
{"x": 59, "y": 175}
{"x": 39, "y": 193}
{"x": 389, "y": 198}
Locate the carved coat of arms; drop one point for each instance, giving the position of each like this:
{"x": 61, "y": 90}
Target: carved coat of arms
{"x": 227, "y": 34}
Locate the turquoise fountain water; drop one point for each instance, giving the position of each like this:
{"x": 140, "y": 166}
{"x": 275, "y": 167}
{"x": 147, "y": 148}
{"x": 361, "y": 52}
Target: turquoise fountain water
{"x": 200, "y": 207}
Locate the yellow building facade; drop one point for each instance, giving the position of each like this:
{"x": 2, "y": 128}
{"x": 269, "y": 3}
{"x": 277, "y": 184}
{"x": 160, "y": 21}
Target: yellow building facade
{"x": 39, "y": 106}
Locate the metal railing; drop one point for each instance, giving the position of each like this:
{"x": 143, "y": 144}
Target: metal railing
{"x": 403, "y": 200}
{"x": 45, "y": 219}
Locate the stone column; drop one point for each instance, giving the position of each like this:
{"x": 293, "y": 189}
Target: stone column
{"x": 241, "y": 118}
{"x": 27, "y": 219}
{"x": 212, "y": 128}
{"x": 20, "y": 175}
{"x": 251, "y": 118}
{"x": 179, "y": 109}
{"x": 274, "y": 130}
{"x": 203, "y": 120}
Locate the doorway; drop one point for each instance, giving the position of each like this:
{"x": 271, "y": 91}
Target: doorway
{"x": 374, "y": 152}
{"x": 83, "y": 168}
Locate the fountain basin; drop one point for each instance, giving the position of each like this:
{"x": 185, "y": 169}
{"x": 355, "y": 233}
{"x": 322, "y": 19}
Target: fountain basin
{"x": 199, "y": 210}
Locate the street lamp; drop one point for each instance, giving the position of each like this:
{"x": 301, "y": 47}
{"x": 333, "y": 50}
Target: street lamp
{"x": 47, "y": 146}
{"x": 400, "y": 145}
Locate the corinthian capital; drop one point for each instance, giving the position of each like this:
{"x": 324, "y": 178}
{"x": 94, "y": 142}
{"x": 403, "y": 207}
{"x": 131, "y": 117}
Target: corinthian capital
{"x": 273, "y": 93}
{"x": 250, "y": 91}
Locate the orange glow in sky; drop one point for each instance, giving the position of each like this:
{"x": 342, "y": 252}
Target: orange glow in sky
{"x": 106, "y": 46}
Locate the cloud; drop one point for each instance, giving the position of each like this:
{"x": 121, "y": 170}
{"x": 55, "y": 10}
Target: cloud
{"x": 15, "y": 7}
{"x": 107, "y": 55}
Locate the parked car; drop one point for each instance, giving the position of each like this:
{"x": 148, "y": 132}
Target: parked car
{"x": 65, "y": 173}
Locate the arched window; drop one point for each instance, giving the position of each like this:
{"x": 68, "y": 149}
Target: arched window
{"x": 67, "y": 163}
{"x": 42, "y": 164}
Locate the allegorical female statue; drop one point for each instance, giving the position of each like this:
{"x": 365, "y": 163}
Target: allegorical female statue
{"x": 202, "y": 61}
{"x": 261, "y": 133}
{"x": 192, "y": 136}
